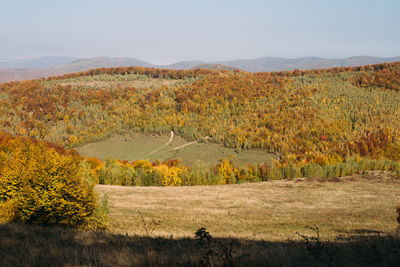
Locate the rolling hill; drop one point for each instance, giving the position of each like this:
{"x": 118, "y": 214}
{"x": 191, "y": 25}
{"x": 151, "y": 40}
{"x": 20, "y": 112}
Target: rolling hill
{"x": 35, "y": 72}
{"x": 103, "y": 62}
{"x": 14, "y": 70}
{"x": 320, "y": 117}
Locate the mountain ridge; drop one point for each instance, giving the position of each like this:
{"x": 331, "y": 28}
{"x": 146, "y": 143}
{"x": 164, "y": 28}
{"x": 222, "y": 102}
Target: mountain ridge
{"x": 36, "y": 63}
{"x": 33, "y": 68}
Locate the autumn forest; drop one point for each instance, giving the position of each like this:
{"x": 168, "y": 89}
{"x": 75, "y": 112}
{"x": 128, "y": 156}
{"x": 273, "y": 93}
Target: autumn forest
{"x": 330, "y": 122}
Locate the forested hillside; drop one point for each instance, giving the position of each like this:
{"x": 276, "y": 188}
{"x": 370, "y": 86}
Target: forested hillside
{"x": 307, "y": 118}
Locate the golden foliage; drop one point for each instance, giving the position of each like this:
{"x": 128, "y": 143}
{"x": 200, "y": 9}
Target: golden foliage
{"x": 317, "y": 118}
{"x": 42, "y": 183}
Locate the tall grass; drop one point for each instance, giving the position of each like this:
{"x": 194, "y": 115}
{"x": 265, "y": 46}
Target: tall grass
{"x": 26, "y": 245}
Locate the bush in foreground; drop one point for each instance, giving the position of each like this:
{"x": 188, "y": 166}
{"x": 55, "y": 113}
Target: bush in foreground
{"x": 42, "y": 183}
{"x": 398, "y": 215}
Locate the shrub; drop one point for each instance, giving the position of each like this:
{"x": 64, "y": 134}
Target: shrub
{"x": 42, "y": 183}
{"x": 398, "y": 215}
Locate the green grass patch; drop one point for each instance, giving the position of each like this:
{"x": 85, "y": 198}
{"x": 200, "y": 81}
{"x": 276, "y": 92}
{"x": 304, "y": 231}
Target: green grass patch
{"x": 150, "y": 146}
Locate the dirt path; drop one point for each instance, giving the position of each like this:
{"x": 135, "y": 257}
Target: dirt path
{"x": 184, "y": 145}
{"x": 170, "y": 140}
{"x": 178, "y": 147}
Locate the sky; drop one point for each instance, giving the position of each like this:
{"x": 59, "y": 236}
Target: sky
{"x": 163, "y": 32}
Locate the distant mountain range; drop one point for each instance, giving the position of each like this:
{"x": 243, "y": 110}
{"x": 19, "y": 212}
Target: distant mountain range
{"x": 266, "y": 64}
{"x": 37, "y": 63}
{"x": 18, "y": 69}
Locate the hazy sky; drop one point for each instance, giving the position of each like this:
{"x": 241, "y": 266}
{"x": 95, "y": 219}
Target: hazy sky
{"x": 172, "y": 30}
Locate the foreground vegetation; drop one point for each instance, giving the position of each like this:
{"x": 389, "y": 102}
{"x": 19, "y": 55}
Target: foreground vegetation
{"x": 41, "y": 183}
{"x": 53, "y": 246}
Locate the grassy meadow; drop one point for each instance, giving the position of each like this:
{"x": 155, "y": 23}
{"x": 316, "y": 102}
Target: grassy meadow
{"x": 139, "y": 146}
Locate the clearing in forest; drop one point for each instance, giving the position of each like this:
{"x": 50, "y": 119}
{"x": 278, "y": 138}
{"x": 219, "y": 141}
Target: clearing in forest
{"x": 158, "y": 147}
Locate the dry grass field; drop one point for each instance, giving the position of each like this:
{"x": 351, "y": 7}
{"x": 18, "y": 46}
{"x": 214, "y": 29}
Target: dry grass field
{"x": 249, "y": 225}
{"x": 273, "y": 210}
